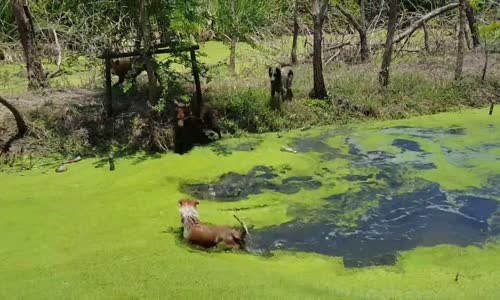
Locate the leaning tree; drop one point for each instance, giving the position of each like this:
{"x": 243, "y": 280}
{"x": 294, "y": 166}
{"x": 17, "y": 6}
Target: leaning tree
{"x": 391, "y": 31}
{"x": 461, "y": 41}
{"x": 37, "y": 78}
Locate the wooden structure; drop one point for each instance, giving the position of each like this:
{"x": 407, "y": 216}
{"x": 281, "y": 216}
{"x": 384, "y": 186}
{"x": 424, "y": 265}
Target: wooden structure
{"x": 108, "y": 56}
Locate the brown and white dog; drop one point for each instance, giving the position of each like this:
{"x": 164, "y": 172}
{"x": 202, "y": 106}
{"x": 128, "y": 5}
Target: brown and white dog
{"x": 208, "y": 236}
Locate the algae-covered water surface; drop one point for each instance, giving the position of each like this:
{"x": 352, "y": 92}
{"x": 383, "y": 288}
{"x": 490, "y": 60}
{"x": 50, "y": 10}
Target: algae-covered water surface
{"x": 392, "y": 210}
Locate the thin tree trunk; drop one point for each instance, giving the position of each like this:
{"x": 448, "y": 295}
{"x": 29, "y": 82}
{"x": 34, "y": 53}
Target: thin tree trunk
{"x": 233, "y": 41}
{"x": 469, "y": 12}
{"x": 21, "y": 125}
{"x": 391, "y": 30}
{"x": 365, "y": 48}
{"x": 426, "y": 39}
{"x": 460, "y": 44}
{"x": 467, "y": 38}
{"x": 232, "y": 55}
{"x": 363, "y": 37}
{"x": 36, "y": 75}
{"x": 319, "y": 10}
{"x": 148, "y": 58}
{"x": 296, "y": 29}
{"x": 139, "y": 35}
{"x": 485, "y": 67}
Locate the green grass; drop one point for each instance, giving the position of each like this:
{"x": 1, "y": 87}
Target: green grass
{"x": 79, "y": 72}
{"x": 94, "y": 234}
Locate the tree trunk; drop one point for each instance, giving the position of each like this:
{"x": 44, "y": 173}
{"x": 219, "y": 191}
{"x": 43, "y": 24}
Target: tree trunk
{"x": 365, "y": 48}
{"x": 139, "y": 35}
{"x": 469, "y": 12}
{"x": 232, "y": 55}
{"x": 148, "y": 58}
{"x": 21, "y": 125}
{"x": 36, "y": 75}
{"x": 426, "y": 39}
{"x": 461, "y": 43}
{"x": 467, "y": 38}
{"x": 296, "y": 29}
{"x": 485, "y": 66}
{"x": 391, "y": 30}
{"x": 319, "y": 11}
{"x": 363, "y": 37}
{"x": 233, "y": 41}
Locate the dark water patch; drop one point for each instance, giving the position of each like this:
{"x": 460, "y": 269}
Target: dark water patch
{"x": 425, "y": 166}
{"x": 490, "y": 190}
{"x": 387, "y": 162}
{"x": 317, "y": 144}
{"x": 426, "y": 133}
{"x": 312, "y": 145}
{"x": 246, "y": 208}
{"x": 233, "y": 186}
{"x": 358, "y": 177}
{"x": 455, "y": 131}
{"x": 297, "y": 179}
{"x": 463, "y": 157}
{"x": 306, "y": 182}
{"x": 222, "y": 149}
{"x": 397, "y": 212}
{"x": 477, "y": 207}
{"x": 423, "y": 217}
{"x": 407, "y": 145}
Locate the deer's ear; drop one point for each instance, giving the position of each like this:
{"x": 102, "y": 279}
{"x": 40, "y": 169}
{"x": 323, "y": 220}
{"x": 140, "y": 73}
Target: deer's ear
{"x": 270, "y": 72}
{"x": 180, "y": 201}
{"x": 196, "y": 202}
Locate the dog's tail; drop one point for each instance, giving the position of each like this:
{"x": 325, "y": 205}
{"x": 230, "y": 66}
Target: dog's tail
{"x": 244, "y": 232}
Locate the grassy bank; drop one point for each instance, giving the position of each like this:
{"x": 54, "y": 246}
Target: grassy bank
{"x": 69, "y": 123}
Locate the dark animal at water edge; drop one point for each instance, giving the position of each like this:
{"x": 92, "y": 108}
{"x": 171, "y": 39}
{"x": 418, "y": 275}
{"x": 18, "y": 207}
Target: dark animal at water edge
{"x": 281, "y": 78}
{"x": 208, "y": 236}
{"x": 191, "y": 130}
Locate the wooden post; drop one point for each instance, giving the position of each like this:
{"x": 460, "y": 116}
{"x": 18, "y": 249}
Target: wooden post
{"x": 109, "y": 93}
{"x": 196, "y": 75}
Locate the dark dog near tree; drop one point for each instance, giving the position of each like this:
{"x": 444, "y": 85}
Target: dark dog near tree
{"x": 208, "y": 236}
{"x": 191, "y": 130}
{"x": 281, "y": 85}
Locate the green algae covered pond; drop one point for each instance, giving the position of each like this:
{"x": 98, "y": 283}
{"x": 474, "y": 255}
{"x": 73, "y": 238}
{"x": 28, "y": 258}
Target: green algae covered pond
{"x": 405, "y": 209}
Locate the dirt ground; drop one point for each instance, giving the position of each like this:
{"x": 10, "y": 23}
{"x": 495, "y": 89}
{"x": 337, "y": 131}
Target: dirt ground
{"x": 56, "y": 99}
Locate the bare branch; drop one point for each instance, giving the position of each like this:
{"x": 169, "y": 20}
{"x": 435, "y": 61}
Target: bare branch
{"x": 417, "y": 24}
{"x": 21, "y": 125}
{"x": 351, "y": 18}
